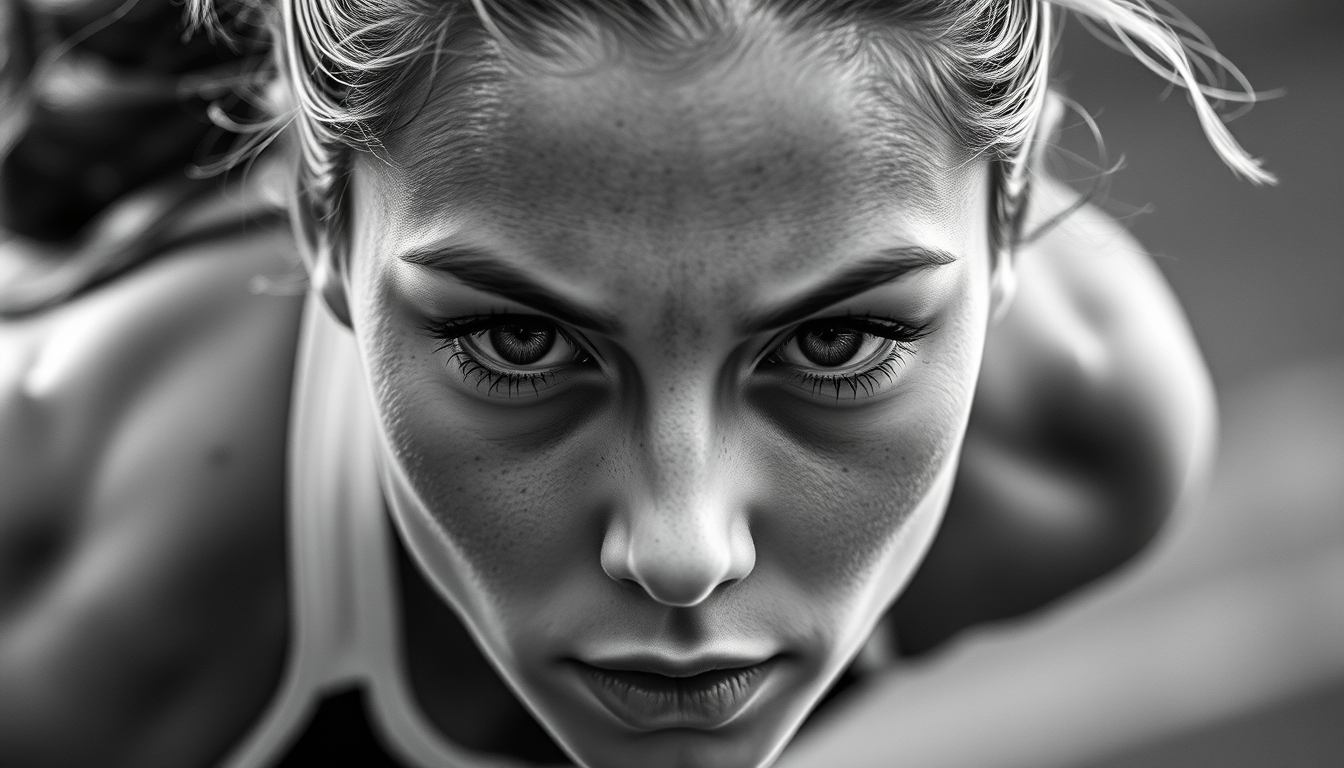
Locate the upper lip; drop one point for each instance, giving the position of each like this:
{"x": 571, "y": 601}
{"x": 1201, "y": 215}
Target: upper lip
{"x": 674, "y": 667}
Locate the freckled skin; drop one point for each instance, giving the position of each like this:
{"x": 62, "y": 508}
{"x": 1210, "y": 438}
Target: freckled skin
{"x": 143, "y": 428}
{"x": 591, "y": 518}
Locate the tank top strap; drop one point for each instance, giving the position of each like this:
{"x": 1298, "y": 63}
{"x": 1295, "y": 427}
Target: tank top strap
{"x": 344, "y": 597}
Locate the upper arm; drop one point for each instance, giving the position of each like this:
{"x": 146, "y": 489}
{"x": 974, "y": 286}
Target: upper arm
{"x": 1093, "y": 416}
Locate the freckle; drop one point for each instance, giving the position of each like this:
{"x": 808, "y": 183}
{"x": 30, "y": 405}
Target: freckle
{"x": 845, "y": 470}
{"x": 478, "y": 458}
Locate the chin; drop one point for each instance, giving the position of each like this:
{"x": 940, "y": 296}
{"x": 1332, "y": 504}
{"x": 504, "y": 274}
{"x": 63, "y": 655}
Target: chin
{"x": 681, "y": 749}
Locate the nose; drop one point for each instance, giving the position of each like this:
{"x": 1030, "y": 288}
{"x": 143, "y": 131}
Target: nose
{"x": 679, "y": 553}
{"x": 681, "y": 530}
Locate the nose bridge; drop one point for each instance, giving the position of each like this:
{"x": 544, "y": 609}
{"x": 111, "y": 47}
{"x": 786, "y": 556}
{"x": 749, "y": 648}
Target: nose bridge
{"x": 681, "y": 532}
{"x": 678, "y": 436}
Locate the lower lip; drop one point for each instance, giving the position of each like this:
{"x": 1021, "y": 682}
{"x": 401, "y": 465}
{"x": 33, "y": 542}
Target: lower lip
{"x": 650, "y": 701}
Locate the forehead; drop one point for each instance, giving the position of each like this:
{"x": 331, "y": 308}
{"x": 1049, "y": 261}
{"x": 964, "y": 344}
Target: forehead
{"x": 610, "y": 168}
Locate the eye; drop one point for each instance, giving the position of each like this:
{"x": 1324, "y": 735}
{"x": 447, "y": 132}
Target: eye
{"x": 831, "y": 346}
{"x": 521, "y": 343}
{"x": 853, "y": 356}
{"x": 508, "y": 354}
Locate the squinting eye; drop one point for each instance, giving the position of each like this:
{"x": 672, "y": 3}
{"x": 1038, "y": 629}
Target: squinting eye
{"x": 828, "y": 345}
{"x": 833, "y": 347}
{"x": 522, "y": 342}
{"x": 508, "y": 353}
{"x": 851, "y": 356}
{"x": 520, "y": 345}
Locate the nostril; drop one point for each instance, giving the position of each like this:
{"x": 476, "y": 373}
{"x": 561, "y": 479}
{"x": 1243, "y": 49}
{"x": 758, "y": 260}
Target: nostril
{"x": 678, "y": 560}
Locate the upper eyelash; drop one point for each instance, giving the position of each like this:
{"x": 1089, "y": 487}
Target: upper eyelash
{"x": 449, "y": 333}
{"x": 878, "y": 326}
{"x": 903, "y": 335}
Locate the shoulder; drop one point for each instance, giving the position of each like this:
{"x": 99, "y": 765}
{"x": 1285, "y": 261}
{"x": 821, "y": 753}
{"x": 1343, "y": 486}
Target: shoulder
{"x": 1096, "y": 338}
{"x": 142, "y": 434}
{"x": 1093, "y": 376}
{"x": 1093, "y": 417}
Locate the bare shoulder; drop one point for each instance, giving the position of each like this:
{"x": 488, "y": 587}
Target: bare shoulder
{"x": 1095, "y": 322}
{"x": 142, "y": 434}
{"x": 1093, "y": 416}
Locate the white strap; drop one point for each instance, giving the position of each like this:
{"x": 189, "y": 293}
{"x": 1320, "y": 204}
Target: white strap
{"x": 344, "y": 597}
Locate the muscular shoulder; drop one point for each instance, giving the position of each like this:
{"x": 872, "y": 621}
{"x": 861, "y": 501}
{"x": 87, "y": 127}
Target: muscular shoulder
{"x": 142, "y": 431}
{"x": 1095, "y": 339}
{"x": 1092, "y": 417}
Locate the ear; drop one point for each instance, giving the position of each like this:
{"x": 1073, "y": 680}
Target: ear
{"x": 323, "y": 248}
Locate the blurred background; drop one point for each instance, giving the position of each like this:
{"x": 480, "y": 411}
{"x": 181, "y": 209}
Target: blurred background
{"x": 1223, "y": 646}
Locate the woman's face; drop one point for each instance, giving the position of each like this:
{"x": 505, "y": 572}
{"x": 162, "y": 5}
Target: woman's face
{"x": 672, "y": 372}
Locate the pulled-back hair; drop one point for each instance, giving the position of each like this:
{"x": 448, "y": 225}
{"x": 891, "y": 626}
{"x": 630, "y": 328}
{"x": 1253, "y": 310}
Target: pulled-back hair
{"x": 350, "y": 72}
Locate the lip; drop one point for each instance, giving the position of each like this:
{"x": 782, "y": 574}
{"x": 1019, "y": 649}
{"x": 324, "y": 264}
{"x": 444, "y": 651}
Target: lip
{"x": 648, "y": 695}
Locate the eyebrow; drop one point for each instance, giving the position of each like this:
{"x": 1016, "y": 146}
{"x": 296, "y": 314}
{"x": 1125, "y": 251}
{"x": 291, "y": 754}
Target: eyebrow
{"x": 887, "y": 266}
{"x": 483, "y": 271}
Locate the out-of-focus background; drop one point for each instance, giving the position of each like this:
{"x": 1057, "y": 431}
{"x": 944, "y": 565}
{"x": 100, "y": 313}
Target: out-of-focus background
{"x": 1223, "y": 647}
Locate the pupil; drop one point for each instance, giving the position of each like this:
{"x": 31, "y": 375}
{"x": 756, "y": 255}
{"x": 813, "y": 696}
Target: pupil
{"x": 522, "y": 343}
{"x": 830, "y": 345}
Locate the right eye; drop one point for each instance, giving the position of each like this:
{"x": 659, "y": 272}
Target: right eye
{"x": 521, "y": 345}
{"x": 509, "y": 353}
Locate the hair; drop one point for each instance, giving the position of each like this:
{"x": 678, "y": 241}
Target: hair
{"x": 351, "y": 72}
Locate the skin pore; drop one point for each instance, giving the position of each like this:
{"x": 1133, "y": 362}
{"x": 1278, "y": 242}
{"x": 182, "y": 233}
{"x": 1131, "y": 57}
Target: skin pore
{"x": 671, "y": 492}
{"x": 686, "y": 488}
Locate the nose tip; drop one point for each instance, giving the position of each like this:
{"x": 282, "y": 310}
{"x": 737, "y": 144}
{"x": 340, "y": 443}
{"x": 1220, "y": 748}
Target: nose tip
{"x": 678, "y": 587}
{"x": 679, "y": 571}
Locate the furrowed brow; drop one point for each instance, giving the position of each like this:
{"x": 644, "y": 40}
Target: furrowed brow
{"x": 485, "y": 272}
{"x": 889, "y": 265}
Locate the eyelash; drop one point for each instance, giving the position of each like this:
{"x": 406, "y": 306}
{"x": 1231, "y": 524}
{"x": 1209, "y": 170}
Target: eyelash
{"x": 450, "y": 332}
{"x": 901, "y": 335}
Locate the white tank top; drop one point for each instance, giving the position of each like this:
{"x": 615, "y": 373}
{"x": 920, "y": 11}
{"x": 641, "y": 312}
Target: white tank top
{"x": 345, "y": 629}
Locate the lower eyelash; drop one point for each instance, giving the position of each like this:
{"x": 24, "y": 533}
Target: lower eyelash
{"x": 867, "y": 381}
{"x": 496, "y": 381}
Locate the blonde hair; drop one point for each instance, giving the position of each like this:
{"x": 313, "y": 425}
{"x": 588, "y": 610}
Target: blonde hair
{"x": 979, "y": 68}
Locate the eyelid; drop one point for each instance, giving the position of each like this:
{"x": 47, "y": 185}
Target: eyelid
{"x": 885, "y": 327}
{"x": 454, "y": 335}
{"x": 468, "y": 325}
{"x": 899, "y": 338}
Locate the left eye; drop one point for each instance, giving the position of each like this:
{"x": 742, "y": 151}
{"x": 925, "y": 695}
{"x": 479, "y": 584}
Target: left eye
{"x": 834, "y": 347}
{"x": 520, "y": 345}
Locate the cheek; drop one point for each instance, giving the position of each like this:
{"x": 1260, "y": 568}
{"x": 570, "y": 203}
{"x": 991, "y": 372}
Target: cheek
{"x": 511, "y": 487}
{"x": 837, "y": 505}
{"x": 844, "y": 482}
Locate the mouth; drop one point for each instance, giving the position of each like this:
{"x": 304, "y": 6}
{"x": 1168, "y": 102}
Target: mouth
{"x": 649, "y": 699}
